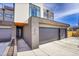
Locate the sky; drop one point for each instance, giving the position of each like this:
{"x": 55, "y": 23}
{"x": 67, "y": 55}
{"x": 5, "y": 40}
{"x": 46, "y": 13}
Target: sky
{"x": 65, "y": 12}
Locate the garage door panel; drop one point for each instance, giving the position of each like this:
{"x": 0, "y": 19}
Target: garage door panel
{"x": 5, "y": 34}
{"x": 62, "y": 33}
{"x": 48, "y": 34}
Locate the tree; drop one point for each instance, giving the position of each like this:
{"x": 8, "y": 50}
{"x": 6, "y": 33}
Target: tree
{"x": 70, "y": 29}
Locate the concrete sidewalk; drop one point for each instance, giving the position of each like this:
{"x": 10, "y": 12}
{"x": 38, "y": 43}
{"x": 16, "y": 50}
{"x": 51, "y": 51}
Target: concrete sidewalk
{"x": 64, "y": 47}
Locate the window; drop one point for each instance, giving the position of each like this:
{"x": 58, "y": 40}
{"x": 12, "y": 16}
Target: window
{"x": 45, "y": 14}
{"x": 4, "y": 5}
{"x": 48, "y": 15}
{"x": 34, "y": 10}
{"x": 9, "y": 15}
{"x": 1, "y": 5}
{"x": 11, "y": 5}
{"x": 1, "y": 14}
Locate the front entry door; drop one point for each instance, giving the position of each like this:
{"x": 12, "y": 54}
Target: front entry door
{"x": 19, "y": 32}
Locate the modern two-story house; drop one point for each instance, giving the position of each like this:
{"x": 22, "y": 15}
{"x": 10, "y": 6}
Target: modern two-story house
{"x": 35, "y": 24}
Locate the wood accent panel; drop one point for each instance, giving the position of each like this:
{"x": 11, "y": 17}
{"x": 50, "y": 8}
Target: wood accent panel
{"x": 20, "y": 24}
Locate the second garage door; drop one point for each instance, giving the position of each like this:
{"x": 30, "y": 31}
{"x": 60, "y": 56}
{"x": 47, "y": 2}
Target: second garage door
{"x": 48, "y": 34}
{"x": 62, "y": 33}
{"x": 5, "y": 34}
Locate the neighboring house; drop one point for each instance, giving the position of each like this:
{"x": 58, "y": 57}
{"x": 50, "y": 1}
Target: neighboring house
{"x": 6, "y": 22}
{"x": 73, "y": 32}
{"x": 35, "y": 24}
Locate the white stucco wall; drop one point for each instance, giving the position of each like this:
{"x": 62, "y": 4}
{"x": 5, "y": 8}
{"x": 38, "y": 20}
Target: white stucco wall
{"x": 22, "y": 11}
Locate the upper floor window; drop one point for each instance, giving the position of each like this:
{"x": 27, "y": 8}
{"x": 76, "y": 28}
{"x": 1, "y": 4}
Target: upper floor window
{"x": 7, "y": 5}
{"x": 7, "y": 11}
{"x": 9, "y": 15}
{"x": 1, "y": 14}
{"x": 45, "y": 13}
{"x": 1, "y": 6}
{"x": 49, "y": 15}
{"x": 34, "y": 10}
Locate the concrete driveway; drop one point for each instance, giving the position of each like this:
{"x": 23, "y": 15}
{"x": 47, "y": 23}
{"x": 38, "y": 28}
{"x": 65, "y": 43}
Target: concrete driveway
{"x": 64, "y": 47}
{"x": 3, "y": 47}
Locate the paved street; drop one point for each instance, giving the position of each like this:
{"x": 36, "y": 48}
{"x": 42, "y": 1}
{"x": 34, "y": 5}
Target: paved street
{"x": 64, "y": 47}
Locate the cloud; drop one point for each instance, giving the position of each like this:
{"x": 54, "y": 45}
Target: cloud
{"x": 63, "y": 9}
{"x": 70, "y": 12}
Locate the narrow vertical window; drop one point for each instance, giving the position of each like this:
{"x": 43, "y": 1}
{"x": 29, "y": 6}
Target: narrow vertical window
{"x": 34, "y": 10}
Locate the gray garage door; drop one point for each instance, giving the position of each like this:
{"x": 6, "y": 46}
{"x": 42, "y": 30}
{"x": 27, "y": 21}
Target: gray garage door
{"x": 5, "y": 34}
{"x": 47, "y": 34}
{"x": 62, "y": 33}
